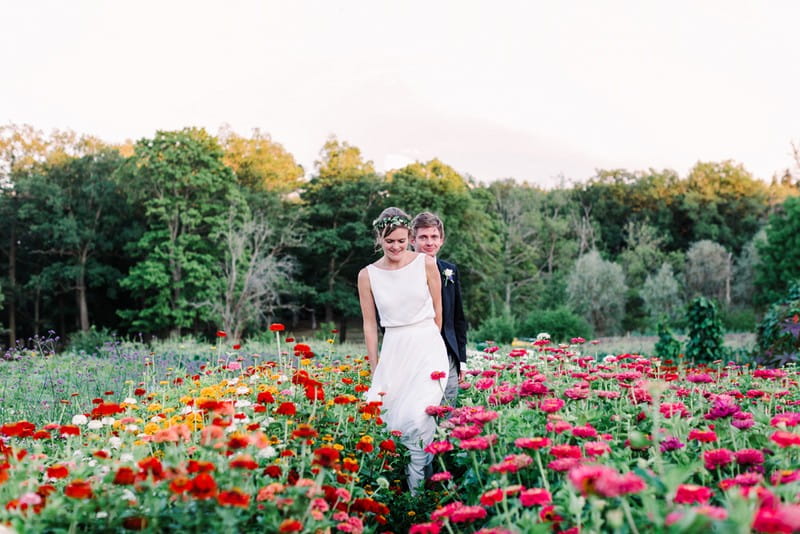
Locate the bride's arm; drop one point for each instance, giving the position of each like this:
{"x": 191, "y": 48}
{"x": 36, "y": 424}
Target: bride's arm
{"x": 369, "y": 317}
{"x": 435, "y": 287}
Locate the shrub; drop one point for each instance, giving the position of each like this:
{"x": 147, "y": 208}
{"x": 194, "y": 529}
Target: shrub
{"x": 667, "y": 347}
{"x": 560, "y": 323}
{"x": 778, "y": 333}
{"x": 90, "y": 342}
{"x": 739, "y": 319}
{"x": 705, "y": 331}
{"x": 596, "y": 288}
{"x": 500, "y": 329}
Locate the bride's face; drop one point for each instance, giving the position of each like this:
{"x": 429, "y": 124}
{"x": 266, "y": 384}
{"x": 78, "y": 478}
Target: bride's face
{"x": 395, "y": 244}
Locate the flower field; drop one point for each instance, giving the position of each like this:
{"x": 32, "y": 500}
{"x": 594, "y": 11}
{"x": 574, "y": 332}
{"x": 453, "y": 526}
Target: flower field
{"x": 545, "y": 439}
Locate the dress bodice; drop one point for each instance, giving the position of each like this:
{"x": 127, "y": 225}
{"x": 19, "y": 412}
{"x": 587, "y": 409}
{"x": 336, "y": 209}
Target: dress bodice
{"x": 402, "y": 295}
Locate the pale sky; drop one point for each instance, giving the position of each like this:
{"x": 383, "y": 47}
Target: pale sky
{"x": 530, "y": 90}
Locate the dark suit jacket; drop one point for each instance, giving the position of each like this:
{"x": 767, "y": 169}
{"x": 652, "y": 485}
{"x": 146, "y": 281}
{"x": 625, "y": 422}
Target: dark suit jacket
{"x": 454, "y": 325}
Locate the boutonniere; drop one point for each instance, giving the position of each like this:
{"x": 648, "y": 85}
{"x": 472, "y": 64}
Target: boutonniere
{"x": 448, "y": 276}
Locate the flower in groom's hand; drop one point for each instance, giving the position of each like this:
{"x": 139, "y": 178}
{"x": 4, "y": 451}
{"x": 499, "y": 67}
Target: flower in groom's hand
{"x": 438, "y": 375}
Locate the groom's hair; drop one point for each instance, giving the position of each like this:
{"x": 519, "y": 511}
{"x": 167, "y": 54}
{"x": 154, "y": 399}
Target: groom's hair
{"x": 427, "y": 219}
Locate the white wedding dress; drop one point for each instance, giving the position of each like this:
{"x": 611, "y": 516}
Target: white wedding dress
{"x": 412, "y": 350}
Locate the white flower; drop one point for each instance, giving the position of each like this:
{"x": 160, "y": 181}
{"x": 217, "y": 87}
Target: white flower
{"x": 242, "y": 390}
{"x": 448, "y": 272}
{"x": 115, "y": 442}
{"x": 129, "y": 400}
{"x": 242, "y": 403}
{"x": 542, "y": 335}
{"x": 79, "y": 419}
{"x": 128, "y": 495}
{"x": 233, "y": 381}
{"x": 101, "y": 515}
{"x": 267, "y": 452}
{"x": 108, "y": 421}
{"x": 131, "y": 428}
{"x": 94, "y": 424}
{"x": 126, "y": 457}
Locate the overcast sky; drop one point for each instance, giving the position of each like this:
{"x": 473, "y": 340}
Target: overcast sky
{"x": 529, "y": 90}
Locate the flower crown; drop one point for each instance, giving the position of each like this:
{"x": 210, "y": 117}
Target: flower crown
{"x": 394, "y": 220}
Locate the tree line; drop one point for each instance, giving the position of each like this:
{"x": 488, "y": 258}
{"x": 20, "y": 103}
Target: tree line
{"x": 187, "y": 232}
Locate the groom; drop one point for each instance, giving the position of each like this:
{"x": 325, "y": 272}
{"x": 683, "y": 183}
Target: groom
{"x": 427, "y": 236}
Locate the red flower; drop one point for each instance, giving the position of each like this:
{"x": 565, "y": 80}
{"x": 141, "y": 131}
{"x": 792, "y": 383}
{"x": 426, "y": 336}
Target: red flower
{"x": 273, "y": 471}
{"x": 265, "y": 397}
{"x": 104, "y": 409}
{"x": 69, "y": 430}
{"x": 152, "y": 465}
{"x": 234, "y": 497}
{"x": 365, "y": 445}
{"x": 286, "y": 408}
{"x": 290, "y": 525}
{"x": 203, "y": 486}
{"x": 237, "y": 346}
{"x": 492, "y": 497}
{"x": 276, "y": 327}
{"x": 244, "y": 461}
{"x": 220, "y": 333}
{"x": 197, "y": 466}
{"x": 388, "y": 446}
{"x": 58, "y": 471}
{"x": 438, "y": 375}
{"x": 304, "y": 431}
{"x": 785, "y": 439}
{"x": 532, "y": 443}
{"x": 326, "y": 456}
{"x": 78, "y": 489}
{"x": 124, "y": 476}
{"x": 303, "y": 351}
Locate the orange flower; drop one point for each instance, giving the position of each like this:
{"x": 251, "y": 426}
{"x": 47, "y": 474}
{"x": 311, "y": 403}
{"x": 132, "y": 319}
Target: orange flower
{"x": 180, "y": 484}
{"x": 234, "y": 497}
{"x": 78, "y": 489}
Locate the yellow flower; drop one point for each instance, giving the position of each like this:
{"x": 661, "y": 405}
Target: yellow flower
{"x": 338, "y": 446}
{"x": 155, "y": 407}
{"x": 363, "y": 372}
{"x": 330, "y": 341}
{"x": 151, "y": 428}
{"x": 305, "y": 361}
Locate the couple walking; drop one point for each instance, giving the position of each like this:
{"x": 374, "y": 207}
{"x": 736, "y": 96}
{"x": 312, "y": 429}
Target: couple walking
{"x": 417, "y": 298}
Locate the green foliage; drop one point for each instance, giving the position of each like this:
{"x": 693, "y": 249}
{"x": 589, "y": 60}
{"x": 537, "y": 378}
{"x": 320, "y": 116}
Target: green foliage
{"x": 780, "y": 254}
{"x": 662, "y": 295}
{"x": 499, "y": 328}
{"x": 185, "y": 190}
{"x": 705, "y": 331}
{"x": 561, "y": 323}
{"x": 778, "y": 333}
{"x": 708, "y": 270}
{"x": 596, "y": 290}
{"x": 90, "y": 342}
{"x": 738, "y": 319}
{"x": 667, "y": 347}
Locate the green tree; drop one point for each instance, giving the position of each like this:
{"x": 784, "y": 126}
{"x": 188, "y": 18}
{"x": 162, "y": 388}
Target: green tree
{"x": 709, "y": 271}
{"x": 338, "y": 206}
{"x": 779, "y": 266}
{"x": 661, "y": 294}
{"x": 596, "y": 290}
{"x": 79, "y": 218}
{"x": 185, "y": 191}
{"x": 259, "y": 162}
{"x": 722, "y": 202}
{"x": 705, "y": 331}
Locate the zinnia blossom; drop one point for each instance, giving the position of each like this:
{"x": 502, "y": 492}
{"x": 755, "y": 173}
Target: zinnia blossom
{"x": 78, "y": 489}
{"x": 532, "y": 443}
{"x": 276, "y": 327}
{"x": 692, "y": 494}
{"x": 535, "y": 497}
{"x": 716, "y": 458}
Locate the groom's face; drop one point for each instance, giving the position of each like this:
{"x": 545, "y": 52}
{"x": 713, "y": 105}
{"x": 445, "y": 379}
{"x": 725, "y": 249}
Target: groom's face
{"x": 427, "y": 240}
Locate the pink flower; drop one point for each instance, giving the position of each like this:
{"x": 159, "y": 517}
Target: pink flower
{"x": 692, "y": 494}
{"x": 551, "y": 405}
{"x": 425, "y": 528}
{"x": 535, "y": 497}
{"x": 722, "y": 406}
{"x": 511, "y": 463}
{"x": 234, "y": 366}
{"x": 585, "y": 431}
{"x": 716, "y": 458}
{"x": 478, "y": 443}
{"x": 484, "y": 383}
{"x": 438, "y": 375}
{"x": 439, "y": 447}
{"x": 785, "y": 439}
{"x": 669, "y": 409}
{"x": 786, "y": 419}
{"x": 596, "y": 448}
{"x": 532, "y": 443}
{"x": 749, "y": 457}
{"x": 565, "y": 451}
{"x": 468, "y": 514}
{"x": 586, "y": 477}
{"x": 466, "y": 431}
{"x": 441, "y": 477}
{"x": 699, "y": 378}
